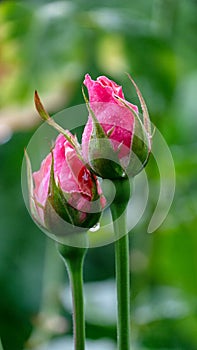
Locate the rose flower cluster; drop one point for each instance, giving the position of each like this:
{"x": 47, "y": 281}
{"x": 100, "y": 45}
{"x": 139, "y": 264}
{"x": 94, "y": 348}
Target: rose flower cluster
{"x": 116, "y": 144}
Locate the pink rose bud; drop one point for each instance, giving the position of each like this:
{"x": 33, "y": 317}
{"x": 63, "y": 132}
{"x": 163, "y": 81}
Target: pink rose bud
{"x": 63, "y": 191}
{"x": 115, "y": 141}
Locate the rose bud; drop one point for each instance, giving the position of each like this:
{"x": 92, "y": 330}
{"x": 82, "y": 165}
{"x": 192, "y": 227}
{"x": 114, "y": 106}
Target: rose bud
{"x": 64, "y": 194}
{"x": 115, "y": 141}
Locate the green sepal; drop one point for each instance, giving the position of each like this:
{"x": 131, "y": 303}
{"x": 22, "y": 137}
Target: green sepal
{"x": 101, "y": 160}
{"x": 91, "y": 220}
{"x": 139, "y": 151}
{"x": 146, "y": 118}
{"x": 57, "y": 208}
{"x": 46, "y": 117}
{"x": 60, "y": 216}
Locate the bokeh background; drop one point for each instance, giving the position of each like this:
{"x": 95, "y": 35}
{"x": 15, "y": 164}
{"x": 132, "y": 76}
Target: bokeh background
{"x": 49, "y": 46}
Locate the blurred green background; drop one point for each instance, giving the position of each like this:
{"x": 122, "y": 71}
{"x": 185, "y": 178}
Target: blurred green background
{"x": 49, "y": 46}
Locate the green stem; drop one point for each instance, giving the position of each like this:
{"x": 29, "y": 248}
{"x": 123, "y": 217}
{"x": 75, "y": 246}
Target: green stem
{"x": 74, "y": 259}
{"x": 118, "y": 211}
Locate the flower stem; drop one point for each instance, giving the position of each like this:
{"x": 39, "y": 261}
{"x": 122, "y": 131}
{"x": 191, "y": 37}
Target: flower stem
{"x": 118, "y": 211}
{"x": 74, "y": 258}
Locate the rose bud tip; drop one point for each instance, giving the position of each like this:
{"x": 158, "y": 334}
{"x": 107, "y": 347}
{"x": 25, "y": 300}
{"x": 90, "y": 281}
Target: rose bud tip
{"x": 115, "y": 140}
{"x": 63, "y": 192}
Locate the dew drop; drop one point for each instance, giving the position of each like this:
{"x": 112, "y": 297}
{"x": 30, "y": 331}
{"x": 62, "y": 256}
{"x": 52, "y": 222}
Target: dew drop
{"x": 95, "y": 227}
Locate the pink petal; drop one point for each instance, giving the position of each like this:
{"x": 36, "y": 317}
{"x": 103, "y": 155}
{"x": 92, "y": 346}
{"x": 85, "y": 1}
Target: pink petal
{"x": 41, "y": 180}
{"x": 80, "y": 173}
{"x": 111, "y": 113}
{"x": 98, "y": 92}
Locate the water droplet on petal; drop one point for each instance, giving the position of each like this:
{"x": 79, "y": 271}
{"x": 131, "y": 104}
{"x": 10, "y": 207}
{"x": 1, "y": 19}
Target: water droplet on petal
{"x": 95, "y": 227}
